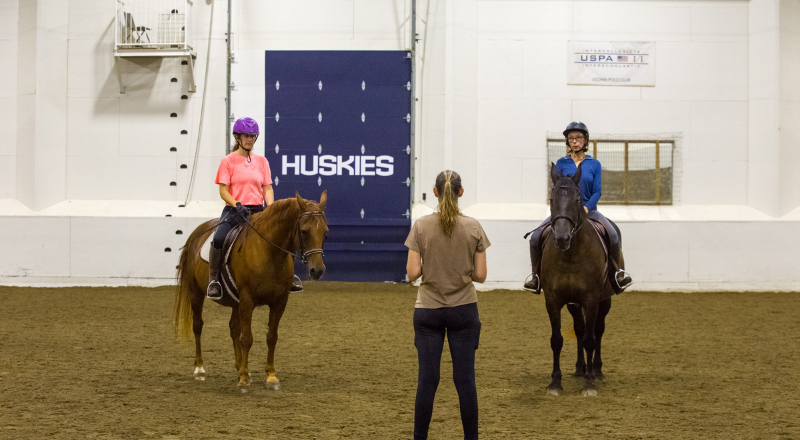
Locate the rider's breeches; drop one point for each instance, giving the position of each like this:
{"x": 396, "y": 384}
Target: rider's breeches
{"x": 463, "y": 328}
{"x": 536, "y": 248}
{"x": 594, "y": 215}
{"x": 229, "y": 220}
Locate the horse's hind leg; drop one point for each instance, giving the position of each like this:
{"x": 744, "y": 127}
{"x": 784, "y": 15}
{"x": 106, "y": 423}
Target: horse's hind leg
{"x": 602, "y": 312}
{"x": 556, "y": 343}
{"x": 197, "y": 327}
{"x": 275, "y": 314}
{"x": 578, "y": 325}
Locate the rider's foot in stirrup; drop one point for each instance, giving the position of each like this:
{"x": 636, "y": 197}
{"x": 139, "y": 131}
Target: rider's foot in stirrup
{"x": 297, "y": 285}
{"x": 533, "y": 285}
{"x": 214, "y": 290}
{"x": 623, "y": 280}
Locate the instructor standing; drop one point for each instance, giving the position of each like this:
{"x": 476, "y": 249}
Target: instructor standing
{"x": 448, "y": 249}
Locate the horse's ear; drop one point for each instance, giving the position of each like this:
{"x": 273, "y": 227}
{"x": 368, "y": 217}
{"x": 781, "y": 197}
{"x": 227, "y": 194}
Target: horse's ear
{"x": 577, "y": 176}
{"x": 323, "y": 199}
{"x": 300, "y": 202}
{"x": 554, "y": 174}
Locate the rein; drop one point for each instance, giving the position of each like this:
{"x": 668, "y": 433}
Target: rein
{"x": 303, "y": 256}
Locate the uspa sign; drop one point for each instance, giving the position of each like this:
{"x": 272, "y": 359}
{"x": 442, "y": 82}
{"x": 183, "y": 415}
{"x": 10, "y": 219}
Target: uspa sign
{"x": 611, "y": 63}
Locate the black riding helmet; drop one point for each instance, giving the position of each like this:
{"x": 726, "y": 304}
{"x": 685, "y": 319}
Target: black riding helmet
{"x": 577, "y": 126}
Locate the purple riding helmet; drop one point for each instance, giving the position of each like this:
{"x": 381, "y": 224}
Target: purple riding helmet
{"x": 246, "y": 126}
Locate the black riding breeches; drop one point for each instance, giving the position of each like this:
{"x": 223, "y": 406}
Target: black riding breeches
{"x": 594, "y": 215}
{"x": 612, "y": 231}
{"x": 229, "y": 220}
{"x": 463, "y": 328}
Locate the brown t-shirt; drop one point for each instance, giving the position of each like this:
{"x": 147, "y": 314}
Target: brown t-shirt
{"x": 447, "y": 264}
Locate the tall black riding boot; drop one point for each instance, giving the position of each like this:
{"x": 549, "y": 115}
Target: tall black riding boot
{"x": 214, "y": 262}
{"x": 534, "y": 284}
{"x": 620, "y": 279}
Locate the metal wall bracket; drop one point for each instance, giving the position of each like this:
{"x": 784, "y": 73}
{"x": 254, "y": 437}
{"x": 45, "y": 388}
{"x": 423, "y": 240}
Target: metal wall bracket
{"x": 187, "y": 55}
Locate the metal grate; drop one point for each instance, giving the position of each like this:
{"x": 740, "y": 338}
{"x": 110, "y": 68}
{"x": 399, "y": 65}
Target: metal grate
{"x": 154, "y": 24}
{"x": 637, "y": 169}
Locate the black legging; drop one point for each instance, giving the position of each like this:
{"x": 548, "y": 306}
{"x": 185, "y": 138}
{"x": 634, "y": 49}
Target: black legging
{"x": 228, "y": 220}
{"x": 463, "y": 328}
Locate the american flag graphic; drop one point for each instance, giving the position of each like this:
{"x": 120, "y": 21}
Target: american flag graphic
{"x": 622, "y": 58}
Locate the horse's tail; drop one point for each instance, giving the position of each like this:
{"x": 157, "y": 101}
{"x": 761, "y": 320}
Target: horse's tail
{"x": 182, "y": 309}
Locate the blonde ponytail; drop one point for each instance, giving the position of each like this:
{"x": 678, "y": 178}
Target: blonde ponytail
{"x": 448, "y": 185}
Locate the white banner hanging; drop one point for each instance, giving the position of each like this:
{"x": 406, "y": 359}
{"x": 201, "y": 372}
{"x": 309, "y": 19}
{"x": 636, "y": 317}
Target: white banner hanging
{"x": 612, "y": 63}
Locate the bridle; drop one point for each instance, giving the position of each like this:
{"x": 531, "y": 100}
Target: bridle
{"x": 300, "y": 254}
{"x": 575, "y": 225}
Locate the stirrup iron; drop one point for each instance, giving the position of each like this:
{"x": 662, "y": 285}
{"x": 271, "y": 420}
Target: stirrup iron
{"x": 296, "y": 282}
{"x": 616, "y": 280}
{"x": 208, "y": 291}
{"x": 531, "y": 279}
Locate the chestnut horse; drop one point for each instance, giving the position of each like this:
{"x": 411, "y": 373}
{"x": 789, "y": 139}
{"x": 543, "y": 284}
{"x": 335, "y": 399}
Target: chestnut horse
{"x": 574, "y": 274}
{"x": 262, "y": 264}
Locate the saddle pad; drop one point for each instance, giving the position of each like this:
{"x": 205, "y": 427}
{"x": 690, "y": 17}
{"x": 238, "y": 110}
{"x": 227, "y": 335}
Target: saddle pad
{"x": 206, "y": 248}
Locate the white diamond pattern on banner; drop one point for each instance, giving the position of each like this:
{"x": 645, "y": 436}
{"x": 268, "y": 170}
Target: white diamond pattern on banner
{"x": 277, "y": 85}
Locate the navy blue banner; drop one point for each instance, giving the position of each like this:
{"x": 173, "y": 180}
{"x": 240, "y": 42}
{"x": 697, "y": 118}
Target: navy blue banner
{"x": 340, "y": 121}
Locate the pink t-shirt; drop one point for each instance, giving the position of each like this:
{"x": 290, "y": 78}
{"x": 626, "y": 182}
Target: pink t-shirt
{"x": 245, "y": 179}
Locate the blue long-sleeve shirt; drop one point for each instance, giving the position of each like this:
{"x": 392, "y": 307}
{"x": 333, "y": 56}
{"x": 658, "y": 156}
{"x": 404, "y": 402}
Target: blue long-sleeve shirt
{"x": 591, "y": 176}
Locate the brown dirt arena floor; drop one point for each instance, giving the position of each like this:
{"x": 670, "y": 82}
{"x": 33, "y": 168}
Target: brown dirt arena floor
{"x": 101, "y": 363}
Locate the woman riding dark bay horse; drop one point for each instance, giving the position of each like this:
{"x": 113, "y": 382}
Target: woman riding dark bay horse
{"x": 262, "y": 264}
{"x": 574, "y": 274}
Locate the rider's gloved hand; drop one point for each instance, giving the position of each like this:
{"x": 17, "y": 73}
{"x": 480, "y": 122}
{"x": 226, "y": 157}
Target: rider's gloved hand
{"x": 242, "y": 210}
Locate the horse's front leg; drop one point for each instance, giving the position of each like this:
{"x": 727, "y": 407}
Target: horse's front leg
{"x": 275, "y": 314}
{"x": 589, "y": 344}
{"x": 236, "y": 330}
{"x": 556, "y": 342}
{"x": 197, "y": 328}
{"x": 578, "y": 325}
{"x": 597, "y": 365}
{"x": 245, "y": 339}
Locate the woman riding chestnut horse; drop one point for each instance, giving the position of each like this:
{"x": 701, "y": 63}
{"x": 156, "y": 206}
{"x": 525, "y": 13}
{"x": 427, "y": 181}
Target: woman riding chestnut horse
{"x": 245, "y": 184}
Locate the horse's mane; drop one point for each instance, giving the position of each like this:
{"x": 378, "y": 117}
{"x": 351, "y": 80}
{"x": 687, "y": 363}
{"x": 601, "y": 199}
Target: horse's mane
{"x": 283, "y": 210}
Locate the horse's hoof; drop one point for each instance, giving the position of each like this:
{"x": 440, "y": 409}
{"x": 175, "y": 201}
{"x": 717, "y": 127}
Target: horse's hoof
{"x": 274, "y": 386}
{"x": 199, "y": 374}
{"x": 591, "y": 392}
{"x": 243, "y": 390}
{"x": 599, "y": 376}
{"x": 554, "y": 392}
{"x": 578, "y": 374}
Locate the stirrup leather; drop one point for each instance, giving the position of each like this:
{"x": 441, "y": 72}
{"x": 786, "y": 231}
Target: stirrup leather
{"x": 208, "y": 291}
{"x": 616, "y": 280}
{"x": 533, "y": 277}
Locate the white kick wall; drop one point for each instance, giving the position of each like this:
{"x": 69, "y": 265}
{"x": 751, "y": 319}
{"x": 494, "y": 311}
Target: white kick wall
{"x": 86, "y": 172}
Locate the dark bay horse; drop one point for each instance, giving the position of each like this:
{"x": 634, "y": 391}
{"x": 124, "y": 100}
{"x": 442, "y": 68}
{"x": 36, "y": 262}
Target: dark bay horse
{"x": 262, "y": 264}
{"x": 574, "y": 274}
